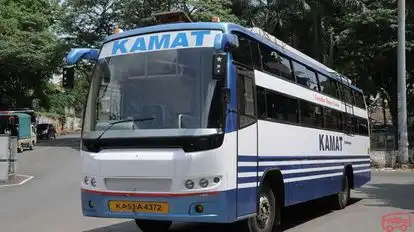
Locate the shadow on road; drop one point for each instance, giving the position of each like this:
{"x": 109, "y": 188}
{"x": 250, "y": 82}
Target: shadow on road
{"x": 292, "y": 216}
{"x": 302, "y": 213}
{"x": 130, "y": 226}
{"x": 391, "y": 195}
{"x": 71, "y": 141}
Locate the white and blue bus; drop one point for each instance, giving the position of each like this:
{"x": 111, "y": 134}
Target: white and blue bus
{"x": 213, "y": 122}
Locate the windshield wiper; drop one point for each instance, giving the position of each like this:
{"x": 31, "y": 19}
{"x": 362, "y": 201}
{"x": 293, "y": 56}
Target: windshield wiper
{"x": 122, "y": 121}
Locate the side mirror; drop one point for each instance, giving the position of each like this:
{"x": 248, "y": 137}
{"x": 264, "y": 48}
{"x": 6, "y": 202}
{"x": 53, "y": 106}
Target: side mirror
{"x": 68, "y": 80}
{"x": 219, "y": 66}
{"x": 226, "y": 42}
{"x": 77, "y": 54}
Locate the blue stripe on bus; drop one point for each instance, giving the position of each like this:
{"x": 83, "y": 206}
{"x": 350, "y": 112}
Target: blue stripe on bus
{"x": 262, "y": 168}
{"x": 242, "y": 158}
{"x": 298, "y": 192}
{"x": 293, "y": 175}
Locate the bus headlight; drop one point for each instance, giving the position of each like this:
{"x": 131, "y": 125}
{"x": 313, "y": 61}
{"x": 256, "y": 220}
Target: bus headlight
{"x": 189, "y": 184}
{"x": 203, "y": 183}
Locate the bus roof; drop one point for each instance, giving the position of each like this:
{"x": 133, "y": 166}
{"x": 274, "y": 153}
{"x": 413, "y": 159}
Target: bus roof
{"x": 255, "y": 33}
{"x": 20, "y": 115}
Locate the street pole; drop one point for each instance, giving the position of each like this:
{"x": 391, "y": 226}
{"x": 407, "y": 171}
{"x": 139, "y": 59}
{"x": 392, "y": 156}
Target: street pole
{"x": 402, "y": 89}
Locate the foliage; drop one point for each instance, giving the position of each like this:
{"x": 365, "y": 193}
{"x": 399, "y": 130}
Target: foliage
{"x": 204, "y": 10}
{"x": 29, "y": 50}
{"x": 357, "y": 37}
{"x": 367, "y": 50}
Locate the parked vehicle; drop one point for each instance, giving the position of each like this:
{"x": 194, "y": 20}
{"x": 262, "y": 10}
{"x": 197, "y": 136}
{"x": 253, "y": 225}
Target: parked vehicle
{"x": 19, "y": 125}
{"x": 46, "y": 131}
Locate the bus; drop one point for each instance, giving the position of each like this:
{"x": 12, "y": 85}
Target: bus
{"x": 213, "y": 122}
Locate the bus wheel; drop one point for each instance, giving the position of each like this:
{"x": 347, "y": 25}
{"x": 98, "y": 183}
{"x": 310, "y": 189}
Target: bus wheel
{"x": 342, "y": 198}
{"x": 268, "y": 213}
{"x": 152, "y": 225}
{"x": 31, "y": 146}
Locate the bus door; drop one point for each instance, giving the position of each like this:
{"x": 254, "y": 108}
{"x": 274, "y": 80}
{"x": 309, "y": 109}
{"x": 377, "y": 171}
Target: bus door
{"x": 247, "y": 143}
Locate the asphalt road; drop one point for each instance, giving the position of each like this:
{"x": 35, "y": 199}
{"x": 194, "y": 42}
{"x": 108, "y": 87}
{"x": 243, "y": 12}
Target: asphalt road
{"x": 50, "y": 201}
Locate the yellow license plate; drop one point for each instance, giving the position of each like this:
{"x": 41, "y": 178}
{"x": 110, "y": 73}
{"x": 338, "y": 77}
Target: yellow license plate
{"x": 138, "y": 207}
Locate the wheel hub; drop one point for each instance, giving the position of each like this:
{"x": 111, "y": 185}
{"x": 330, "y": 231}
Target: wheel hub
{"x": 264, "y": 211}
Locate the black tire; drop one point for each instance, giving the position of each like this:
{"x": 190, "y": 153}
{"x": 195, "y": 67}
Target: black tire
{"x": 264, "y": 221}
{"x": 152, "y": 226}
{"x": 341, "y": 199}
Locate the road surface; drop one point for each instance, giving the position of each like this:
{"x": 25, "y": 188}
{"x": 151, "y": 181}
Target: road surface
{"x": 50, "y": 201}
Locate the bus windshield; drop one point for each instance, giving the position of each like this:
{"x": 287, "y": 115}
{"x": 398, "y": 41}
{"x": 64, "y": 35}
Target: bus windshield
{"x": 174, "y": 88}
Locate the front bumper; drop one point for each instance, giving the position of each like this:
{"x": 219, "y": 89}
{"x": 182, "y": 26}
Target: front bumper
{"x": 219, "y": 207}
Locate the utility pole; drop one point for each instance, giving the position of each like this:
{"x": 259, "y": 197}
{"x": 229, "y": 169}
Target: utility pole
{"x": 402, "y": 88}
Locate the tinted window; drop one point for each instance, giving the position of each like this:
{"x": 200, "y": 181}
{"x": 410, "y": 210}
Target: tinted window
{"x": 261, "y": 103}
{"x": 256, "y": 58}
{"x": 246, "y": 97}
{"x": 42, "y": 126}
{"x": 349, "y": 123}
{"x": 313, "y": 81}
{"x": 359, "y": 99}
{"x": 242, "y": 53}
{"x": 325, "y": 84}
{"x": 332, "y": 119}
{"x": 347, "y": 95}
{"x": 275, "y": 63}
{"x": 300, "y": 73}
{"x": 281, "y": 107}
{"x": 354, "y": 124}
{"x": 311, "y": 114}
{"x": 362, "y": 126}
{"x": 335, "y": 89}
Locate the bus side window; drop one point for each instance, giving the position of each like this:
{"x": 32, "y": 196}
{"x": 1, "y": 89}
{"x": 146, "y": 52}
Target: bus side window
{"x": 247, "y": 53}
{"x": 245, "y": 97}
{"x": 325, "y": 84}
{"x": 276, "y": 63}
{"x": 336, "y": 89}
{"x": 242, "y": 54}
{"x": 256, "y": 57}
{"x": 359, "y": 99}
{"x": 261, "y": 103}
{"x": 363, "y": 126}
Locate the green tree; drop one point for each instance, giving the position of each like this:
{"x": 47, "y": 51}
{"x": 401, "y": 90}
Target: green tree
{"x": 204, "y": 10}
{"x": 367, "y": 50}
{"x": 29, "y": 50}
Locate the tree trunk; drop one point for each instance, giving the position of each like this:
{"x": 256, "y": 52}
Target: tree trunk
{"x": 392, "y": 100}
{"x": 317, "y": 20}
{"x": 331, "y": 49}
